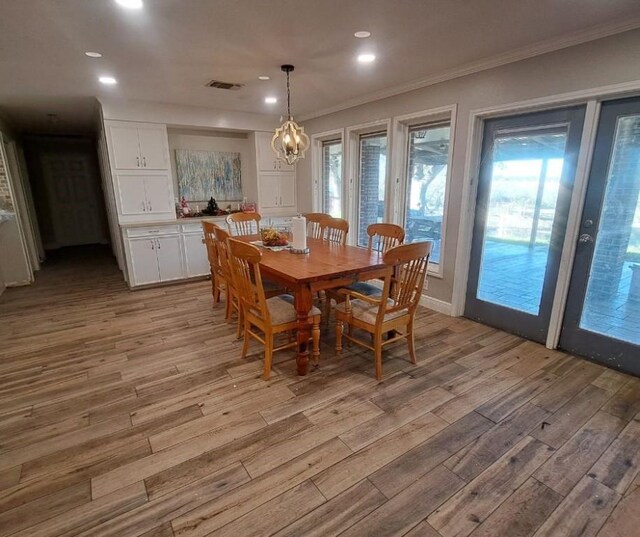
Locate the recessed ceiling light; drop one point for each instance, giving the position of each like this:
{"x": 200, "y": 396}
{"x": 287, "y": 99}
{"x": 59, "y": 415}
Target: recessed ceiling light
{"x": 366, "y": 58}
{"x": 93, "y": 54}
{"x": 270, "y": 100}
{"x": 264, "y": 77}
{"x": 108, "y": 80}
{"x": 130, "y": 4}
{"x": 362, "y": 34}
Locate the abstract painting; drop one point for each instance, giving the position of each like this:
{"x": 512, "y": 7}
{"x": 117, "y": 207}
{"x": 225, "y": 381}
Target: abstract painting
{"x": 206, "y": 174}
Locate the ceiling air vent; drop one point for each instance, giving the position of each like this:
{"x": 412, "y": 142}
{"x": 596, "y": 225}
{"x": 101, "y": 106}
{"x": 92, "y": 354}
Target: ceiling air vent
{"x": 223, "y": 85}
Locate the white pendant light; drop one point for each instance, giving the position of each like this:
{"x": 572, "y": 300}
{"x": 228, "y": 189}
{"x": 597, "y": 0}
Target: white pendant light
{"x": 289, "y": 142}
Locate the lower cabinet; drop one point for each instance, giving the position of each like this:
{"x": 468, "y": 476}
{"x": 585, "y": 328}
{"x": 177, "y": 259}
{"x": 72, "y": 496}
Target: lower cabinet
{"x": 195, "y": 255}
{"x": 155, "y": 259}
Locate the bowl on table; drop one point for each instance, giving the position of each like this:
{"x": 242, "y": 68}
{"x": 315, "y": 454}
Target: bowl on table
{"x": 273, "y": 237}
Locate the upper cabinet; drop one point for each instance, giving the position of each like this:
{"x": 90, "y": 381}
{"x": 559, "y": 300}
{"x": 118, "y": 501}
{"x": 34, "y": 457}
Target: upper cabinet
{"x": 267, "y": 161}
{"x": 138, "y": 146}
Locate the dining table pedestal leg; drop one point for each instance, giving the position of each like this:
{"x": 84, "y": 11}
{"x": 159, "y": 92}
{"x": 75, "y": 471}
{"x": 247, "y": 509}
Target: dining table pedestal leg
{"x": 303, "y": 304}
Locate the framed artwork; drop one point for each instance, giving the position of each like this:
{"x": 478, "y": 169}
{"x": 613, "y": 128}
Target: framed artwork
{"x": 206, "y": 174}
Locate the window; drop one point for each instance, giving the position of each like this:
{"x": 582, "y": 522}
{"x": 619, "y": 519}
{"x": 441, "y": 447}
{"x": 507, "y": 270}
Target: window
{"x": 332, "y": 178}
{"x": 372, "y": 175}
{"x": 426, "y": 184}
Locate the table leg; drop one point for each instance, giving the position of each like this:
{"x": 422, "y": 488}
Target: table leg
{"x": 303, "y": 303}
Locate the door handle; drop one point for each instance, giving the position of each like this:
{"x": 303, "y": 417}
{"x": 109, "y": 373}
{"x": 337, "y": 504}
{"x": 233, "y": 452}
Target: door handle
{"x": 149, "y": 206}
{"x": 585, "y": 238}
{"x": 138, "y": 161}
{"x": 144, "y": 161}
{"x": 143, "y": 206}
{"x": 152, "y": 246}
{"x": 158, "y": 244}
{"x": 280, "y": 200}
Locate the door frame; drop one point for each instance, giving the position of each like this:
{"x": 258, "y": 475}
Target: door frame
{"x": 598, "y": 343}
{"x": 592, "y": 99}
{"x": 526, "y": 324}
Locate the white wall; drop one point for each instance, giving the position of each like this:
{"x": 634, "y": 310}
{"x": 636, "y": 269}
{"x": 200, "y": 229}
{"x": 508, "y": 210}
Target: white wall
{"x": 185, "y": 116}
{"x": 604, "y": 62}
{"x": 231, "y": 142}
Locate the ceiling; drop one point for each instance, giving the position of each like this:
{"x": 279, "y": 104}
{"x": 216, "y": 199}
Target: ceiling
{"x": 168, "y": 50}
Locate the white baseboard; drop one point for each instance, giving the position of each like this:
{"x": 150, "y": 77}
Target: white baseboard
{"x": 436, "y": 305}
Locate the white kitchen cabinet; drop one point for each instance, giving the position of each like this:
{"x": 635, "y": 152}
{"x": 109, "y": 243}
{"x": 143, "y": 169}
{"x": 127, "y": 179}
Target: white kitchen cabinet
{"x": 154, "y": 258}
{"x": 267, "y": 161}
{"x": 143, "y": 261}
{"x": 138, "y": 146}
{"x": 195, "y": 255}
{"x": 287, "y": 190}
{"x": 152, "y": 141}
{"x": 277, "y": 191}
{"x": 140, "y": 194}
{"x": 124, "y": 147}
{"x": 169, "y": 258}
{"x": 269, "y": 190}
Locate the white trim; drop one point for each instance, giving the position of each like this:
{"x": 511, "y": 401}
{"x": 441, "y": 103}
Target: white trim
{"x": 581, "y": 181}
{"x": 436, "y": 304}
{"x": 537, "y": 49}
{"x": 351, "y": 161}
{"x": 317, "y": 140}
{"x": 401, "y": 125}
{"x": 472, "y": 160}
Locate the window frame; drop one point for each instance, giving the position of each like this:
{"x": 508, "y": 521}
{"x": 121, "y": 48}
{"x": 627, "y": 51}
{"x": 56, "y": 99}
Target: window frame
{"x": 352, "y": 154}
{"x": 402, "y": 125}
{"x": 317, "y": 165}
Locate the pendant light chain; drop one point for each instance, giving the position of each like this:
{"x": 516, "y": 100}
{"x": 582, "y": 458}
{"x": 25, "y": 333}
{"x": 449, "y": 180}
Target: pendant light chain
{"x": 288, "y": 98}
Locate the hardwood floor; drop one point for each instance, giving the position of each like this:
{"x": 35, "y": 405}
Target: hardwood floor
{"x": 131, "y": 414}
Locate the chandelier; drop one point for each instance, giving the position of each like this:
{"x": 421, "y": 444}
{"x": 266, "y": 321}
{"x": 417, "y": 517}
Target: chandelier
{"x": 289, "y": 142}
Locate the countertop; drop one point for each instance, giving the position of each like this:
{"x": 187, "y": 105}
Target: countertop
{"x": 194, "y": 220}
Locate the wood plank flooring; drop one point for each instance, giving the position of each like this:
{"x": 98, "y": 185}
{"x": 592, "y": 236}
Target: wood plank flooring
{"x": 131, "y": 414}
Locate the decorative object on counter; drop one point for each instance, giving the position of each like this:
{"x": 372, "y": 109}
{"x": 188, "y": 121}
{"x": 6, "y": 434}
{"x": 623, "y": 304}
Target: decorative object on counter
{"x": 289, "y": 142}
{"x": 202, "y": 174}
{"x": 184, "y": 206}
{"x": 299, "y": 235}
{"x": 249, "y": 207}
{"x": 212, "y": 208}
{"x": 273, "y": 237}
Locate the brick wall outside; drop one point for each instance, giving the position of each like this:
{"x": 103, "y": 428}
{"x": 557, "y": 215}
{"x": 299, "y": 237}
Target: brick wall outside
{"x": 621, "y": 200}
{"x": 369, "y": 176}
{"x": 6, "y": 202}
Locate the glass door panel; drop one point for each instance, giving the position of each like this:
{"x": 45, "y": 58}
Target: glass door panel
{"x": 332, "y": 178}
{"x": 372, "y": 183}
{"x": 426, "y": 184}
{"x": 602, "y": 318}
{"x": 523, "y": 195}
{"x": 524, "y": 192}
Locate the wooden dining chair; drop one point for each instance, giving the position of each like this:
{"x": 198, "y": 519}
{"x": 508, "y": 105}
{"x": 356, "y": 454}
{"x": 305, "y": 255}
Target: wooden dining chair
{"x": 316, "y": 224}
{"x": 381, "y": 237}
{"x": 335, "y": 230}
{"x": 270, "y": 316}
{"x": 384, "y": 236}
{"x": 394, "y": 311}
{"x": 232, "y": 304}
{"x": 217, "y": 278}
{"x": 240, "y": 224}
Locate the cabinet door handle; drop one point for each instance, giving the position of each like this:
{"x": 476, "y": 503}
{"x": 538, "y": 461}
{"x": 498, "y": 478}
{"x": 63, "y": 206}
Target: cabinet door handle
{"x": 144, "y": 161}
{"x": 275, "y": 164}
{"x": 138, "y": 161}
{"x": 280, "y": 200}
{"x": 158, "y": 243}
{"x": 152, "y": 246}
{"x": 149, "y": 206}
{"x": 143, "y": 206}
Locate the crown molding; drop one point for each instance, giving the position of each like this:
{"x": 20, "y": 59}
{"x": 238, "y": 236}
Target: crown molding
{"x": 537, "y": 49}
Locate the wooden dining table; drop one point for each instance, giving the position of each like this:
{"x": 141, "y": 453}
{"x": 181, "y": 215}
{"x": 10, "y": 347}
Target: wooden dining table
{"x": 328, "y": 265}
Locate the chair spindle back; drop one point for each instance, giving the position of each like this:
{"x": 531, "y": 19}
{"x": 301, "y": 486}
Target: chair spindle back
{"x": 241, "y": 224}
